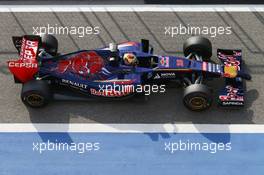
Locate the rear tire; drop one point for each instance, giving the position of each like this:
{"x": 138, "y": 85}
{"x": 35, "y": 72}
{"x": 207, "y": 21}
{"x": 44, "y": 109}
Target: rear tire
{"x": 197, "y": 97}
{"x": 198, "y": 45}
{"x": 36, "y": 94}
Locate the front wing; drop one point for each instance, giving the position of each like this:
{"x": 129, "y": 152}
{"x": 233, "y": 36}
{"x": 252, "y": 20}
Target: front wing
{"x": 233, "y": 92}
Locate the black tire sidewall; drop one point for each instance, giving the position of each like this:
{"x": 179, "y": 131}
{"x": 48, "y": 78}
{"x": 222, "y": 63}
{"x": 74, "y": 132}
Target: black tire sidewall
{"x": 25, "y": 95}
{"x": 39, "y": 88}
{"x": 189, "y": 97}
{"x": 197, "y": 90}
{"x": 199, "y": 45}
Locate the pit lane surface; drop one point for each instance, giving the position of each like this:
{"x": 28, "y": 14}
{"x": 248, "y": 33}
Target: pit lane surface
{"x": 117, "y": 154}
{"x": 134, "y": 149}
{"x": 123, "y": 26}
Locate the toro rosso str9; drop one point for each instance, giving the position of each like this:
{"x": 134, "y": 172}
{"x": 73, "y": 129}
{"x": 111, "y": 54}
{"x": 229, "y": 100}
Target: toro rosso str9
{"x": 45, "y": 74}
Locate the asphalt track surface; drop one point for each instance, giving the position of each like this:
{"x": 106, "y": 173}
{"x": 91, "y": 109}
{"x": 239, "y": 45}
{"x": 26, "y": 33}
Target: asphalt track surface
{"x": 247, "y": 34}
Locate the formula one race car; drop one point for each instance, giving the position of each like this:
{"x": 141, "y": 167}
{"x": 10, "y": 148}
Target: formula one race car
{"x": 115, "y": 71}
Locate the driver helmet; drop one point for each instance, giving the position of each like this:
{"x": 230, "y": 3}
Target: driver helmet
{"x": 130, "y": 59}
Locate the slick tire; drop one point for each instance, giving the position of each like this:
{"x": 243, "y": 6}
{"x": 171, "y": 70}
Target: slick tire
{"x": 197, "y": 97}
{"x": 36, "y": 94}
{"x": 50, "y": 44}
{"x": 198, "y": 45}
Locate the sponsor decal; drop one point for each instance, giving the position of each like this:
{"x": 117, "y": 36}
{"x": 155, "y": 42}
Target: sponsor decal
{"x": 28, "y": 50}
{"x": 209, "y": 67}
{"x": 117, "y": 81}
{"x": 22, "y": 64}
{"x": 110, "y": 93}
{"x": 230, "y": 71}
{"x": 75, "y": 84}
{"x": 164, "y": 61}
{"x": 237, "y": 53}
{"x": 165, "y": 75}
{"x": 84, "y": 63}
{"x": 233, "y": 103}
{"x": 232, "y": 95}
{"x": 168, "y": 75}
{"x": 179, "y": 63}
{"x": 204, "y": 66}
{"x": 26, "y": 67}
{"x": 218, "y": 68}
{"x": 213, "y": 67}
{"x": 231, "y": 60}
{"x": 157, "y": 76}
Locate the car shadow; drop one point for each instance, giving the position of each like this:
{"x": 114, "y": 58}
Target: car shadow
{"x": 42, "y": 115}
{"x": 160, "y": 109}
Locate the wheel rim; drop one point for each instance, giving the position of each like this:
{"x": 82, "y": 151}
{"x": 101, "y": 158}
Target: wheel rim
{"x": 35, "y": 100}
{"x": 198, "y": 103}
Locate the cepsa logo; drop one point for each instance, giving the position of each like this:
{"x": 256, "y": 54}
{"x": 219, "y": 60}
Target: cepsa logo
{"x": 21, "y": 64}
{"x": 28, "y": 50}
{"x": 28, "y": 55}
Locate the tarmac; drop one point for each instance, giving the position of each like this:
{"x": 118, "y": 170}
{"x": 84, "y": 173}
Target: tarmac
{"x": 247, "y": 34}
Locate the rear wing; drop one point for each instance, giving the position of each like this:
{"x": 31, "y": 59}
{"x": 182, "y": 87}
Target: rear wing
{"x": 233, "y": 92}
{"x": 26, "y": 66}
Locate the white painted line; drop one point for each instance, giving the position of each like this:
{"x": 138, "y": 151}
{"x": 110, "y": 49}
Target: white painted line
{"x": 133, "y": 128}
{"x": 131, "y": 8}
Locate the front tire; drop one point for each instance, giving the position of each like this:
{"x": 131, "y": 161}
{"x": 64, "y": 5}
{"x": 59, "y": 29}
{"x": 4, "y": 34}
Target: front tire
{"x": 35, "y": 94}
{"x": 198, "y": 45}
{"x": 197, "y": 97}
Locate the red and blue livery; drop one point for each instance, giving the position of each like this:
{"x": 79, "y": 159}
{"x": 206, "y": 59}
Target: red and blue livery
{"x": 46, "y": 74}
